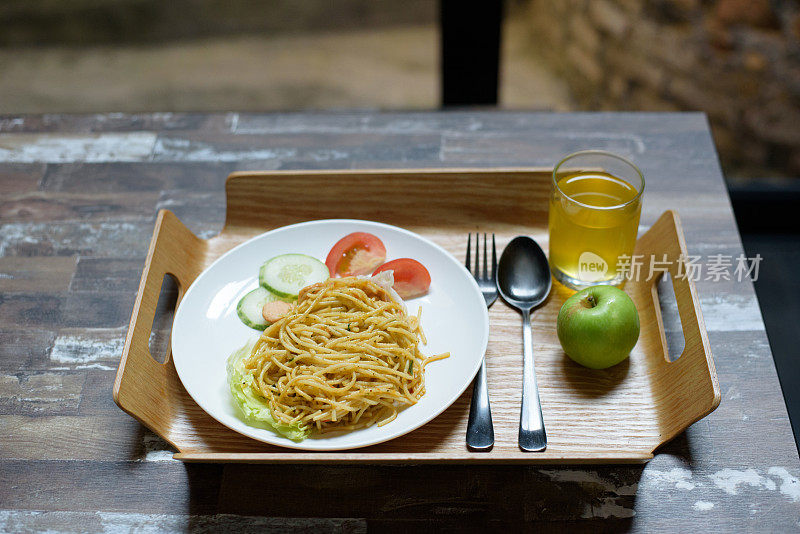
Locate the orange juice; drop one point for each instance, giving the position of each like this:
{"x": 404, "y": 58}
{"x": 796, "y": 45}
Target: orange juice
{"x": 594, "y": 217}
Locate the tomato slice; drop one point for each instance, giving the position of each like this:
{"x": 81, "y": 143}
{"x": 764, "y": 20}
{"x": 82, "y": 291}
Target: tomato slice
{"x": 411, "y": 278}
{"x": 355, "y": 254}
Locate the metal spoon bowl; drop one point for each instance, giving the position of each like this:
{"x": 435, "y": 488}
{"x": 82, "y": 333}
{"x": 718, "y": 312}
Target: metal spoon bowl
{"x": 523, "y": 278}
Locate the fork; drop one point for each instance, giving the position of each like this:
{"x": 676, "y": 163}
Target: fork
{"x": 480, "y": 432}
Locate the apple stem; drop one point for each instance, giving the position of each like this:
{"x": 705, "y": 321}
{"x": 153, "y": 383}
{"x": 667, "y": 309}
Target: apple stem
{"x": 589, "y": 302}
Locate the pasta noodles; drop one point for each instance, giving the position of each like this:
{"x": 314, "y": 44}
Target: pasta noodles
{"x": 345, "y": 357}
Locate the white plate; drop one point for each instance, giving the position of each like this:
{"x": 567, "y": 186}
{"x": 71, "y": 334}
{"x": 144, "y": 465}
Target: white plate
{"x": 207, "y": 330}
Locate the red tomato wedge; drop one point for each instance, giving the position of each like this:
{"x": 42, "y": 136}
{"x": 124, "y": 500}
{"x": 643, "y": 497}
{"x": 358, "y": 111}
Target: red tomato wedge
{"x": 354, "y": 254}
{"x": 411, "y": 278}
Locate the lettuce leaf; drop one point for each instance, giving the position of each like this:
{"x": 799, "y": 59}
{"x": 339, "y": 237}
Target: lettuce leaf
{"x": 253, "y": 406}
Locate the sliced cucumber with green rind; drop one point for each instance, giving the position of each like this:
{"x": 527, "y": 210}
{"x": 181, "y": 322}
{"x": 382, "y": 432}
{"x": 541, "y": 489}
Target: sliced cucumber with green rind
{"x": 287, "y": 274}
{"x": 250, "y": 306}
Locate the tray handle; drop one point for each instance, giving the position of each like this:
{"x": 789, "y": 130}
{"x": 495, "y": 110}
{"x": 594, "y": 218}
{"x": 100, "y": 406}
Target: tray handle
{"x": 143, "y": 387}
{"x": 686, "y": 389}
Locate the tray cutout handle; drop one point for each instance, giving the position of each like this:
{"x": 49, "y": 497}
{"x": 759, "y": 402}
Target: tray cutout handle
{"x": 686, "y": 389}
{"x": 163, "y": 318}
{"x": 667, "y": 305}
{"x": 143, "y": 385}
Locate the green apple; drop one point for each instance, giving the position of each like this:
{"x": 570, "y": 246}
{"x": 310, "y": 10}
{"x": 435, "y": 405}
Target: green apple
{"x": 598, "y": 326}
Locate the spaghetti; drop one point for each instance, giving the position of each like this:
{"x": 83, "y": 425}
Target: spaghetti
{"x": 345, "y": 357}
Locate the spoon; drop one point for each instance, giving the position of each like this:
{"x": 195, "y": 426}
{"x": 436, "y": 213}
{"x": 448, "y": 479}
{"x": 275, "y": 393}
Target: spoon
{"x": 523, "y": 278}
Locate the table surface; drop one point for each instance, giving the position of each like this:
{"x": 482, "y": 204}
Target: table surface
{"x": 78, "y": 199}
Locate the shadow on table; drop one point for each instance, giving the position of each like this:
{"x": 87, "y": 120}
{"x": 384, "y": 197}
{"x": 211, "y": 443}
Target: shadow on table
{"x": 399, "y": 498}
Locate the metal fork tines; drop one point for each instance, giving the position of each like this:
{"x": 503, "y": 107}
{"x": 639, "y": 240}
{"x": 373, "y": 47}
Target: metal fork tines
{"x": 480, "y": 432}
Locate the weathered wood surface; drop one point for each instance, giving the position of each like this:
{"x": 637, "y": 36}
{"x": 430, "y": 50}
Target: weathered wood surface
{"x": 78, "y": 198}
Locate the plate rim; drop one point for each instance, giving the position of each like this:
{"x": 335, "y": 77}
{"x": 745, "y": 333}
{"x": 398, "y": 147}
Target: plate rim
{"x": 299, "y": 445}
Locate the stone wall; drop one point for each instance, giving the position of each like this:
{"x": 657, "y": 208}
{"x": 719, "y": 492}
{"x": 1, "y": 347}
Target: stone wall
{"x": 737, "y": 60}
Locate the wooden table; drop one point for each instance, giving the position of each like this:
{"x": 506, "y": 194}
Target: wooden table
{"x": 78, "y": 198}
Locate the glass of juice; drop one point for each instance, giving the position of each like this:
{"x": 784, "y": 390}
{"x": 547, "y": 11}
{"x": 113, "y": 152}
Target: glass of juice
{"x": 595, "y": 204}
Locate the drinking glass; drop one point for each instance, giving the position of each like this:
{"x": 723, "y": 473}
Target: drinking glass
{"x": 595, "y": 203}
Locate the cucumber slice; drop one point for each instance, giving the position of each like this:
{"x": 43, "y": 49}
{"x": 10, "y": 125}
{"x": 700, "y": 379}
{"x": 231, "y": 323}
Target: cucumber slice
{"x": 249, "y": 308}
{"x": 286, "y": 275}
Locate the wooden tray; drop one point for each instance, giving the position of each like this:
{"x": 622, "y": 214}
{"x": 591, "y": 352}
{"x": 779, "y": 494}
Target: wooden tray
{"x": 619, "y": 415}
